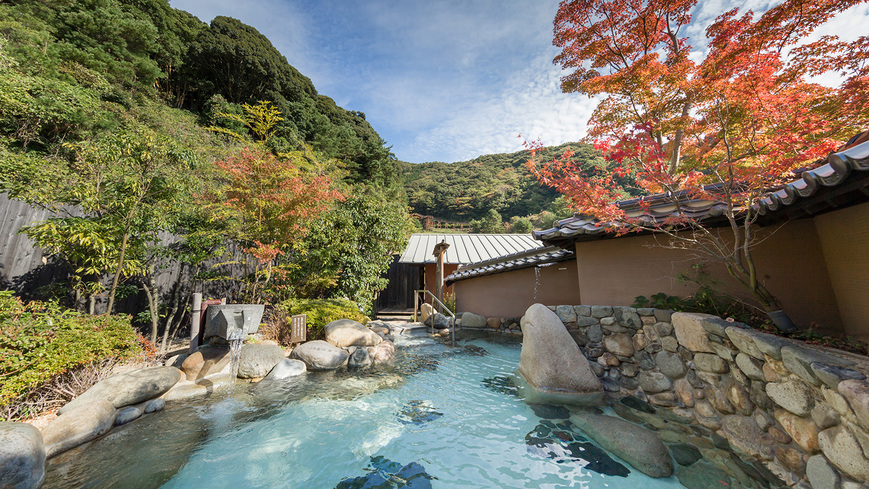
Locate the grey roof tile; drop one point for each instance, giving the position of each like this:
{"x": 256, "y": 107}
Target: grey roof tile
{"x": 852, "y": 163}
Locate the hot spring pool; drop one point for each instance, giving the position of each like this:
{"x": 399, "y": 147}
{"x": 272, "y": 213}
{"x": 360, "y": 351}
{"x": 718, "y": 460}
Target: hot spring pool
{"x": 442, "y": 417}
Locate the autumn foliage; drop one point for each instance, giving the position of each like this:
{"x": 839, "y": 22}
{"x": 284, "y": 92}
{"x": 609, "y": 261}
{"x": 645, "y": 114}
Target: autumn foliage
{"x": 723, "y": 121}
{"x": 269, "y": 203}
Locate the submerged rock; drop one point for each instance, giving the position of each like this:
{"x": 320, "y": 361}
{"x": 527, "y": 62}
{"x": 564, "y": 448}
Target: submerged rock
{"x": 502, "y": 385}
{"x": 550, "y": 360}
{"x": 474, "y": 350}
{"x": 386, "y": 474}
{"x": 559, "y": 443}
{"x": 634, "y": 444}
{"x": 418, "y": 413}
{"x": 22, "y": 456}
{"x": 549, "y": 411}
{"x": 704, "y": 475}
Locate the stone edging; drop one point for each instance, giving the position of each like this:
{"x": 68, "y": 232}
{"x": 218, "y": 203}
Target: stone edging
{"x": 803, "y": 412}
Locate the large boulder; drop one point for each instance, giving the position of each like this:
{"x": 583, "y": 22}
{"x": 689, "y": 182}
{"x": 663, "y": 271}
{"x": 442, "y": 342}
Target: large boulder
{"x": 474, "y": 321}
{"x": 206, "y": 360}
{"x": 22, "y": 456}
{"x": 128, "y": 388}
{"x": 550, "y": 360}
{"x": 257, "y": 360}
{"x": 77, "y": 426}
{"x": 425, "y": 310}
{"x": 320, "y": 355}
{"x": 632, "y": 443}
{"x": 287, "y": 368}
{"x": 346, "y": 332}
{"x": 437, "y": 321}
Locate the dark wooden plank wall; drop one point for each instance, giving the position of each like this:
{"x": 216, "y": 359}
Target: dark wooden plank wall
{"x": 404, "y": 278}
{"x": 24, "y": 268}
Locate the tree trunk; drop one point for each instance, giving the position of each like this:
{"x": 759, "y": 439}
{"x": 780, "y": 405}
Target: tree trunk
{"x": 118, "y": 270}
{"x": 174, "y": 305}
{"x": 150, "y": 287}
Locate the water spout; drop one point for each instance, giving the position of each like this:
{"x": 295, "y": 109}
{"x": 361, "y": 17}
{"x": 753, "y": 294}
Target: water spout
{"x": 236, "y": 338}
{"x": 233, "y": 322}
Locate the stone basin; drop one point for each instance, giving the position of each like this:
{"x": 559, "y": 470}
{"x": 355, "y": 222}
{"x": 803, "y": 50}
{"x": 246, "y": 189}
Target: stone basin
{"x": 224, "y": 320}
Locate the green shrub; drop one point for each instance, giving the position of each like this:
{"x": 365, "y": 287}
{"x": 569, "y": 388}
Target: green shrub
{"x": 321, "y": 312}
{"x": 39, "y": 341}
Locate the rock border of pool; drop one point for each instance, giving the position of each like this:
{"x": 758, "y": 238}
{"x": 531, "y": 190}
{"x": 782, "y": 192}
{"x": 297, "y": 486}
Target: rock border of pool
{"x": 127, "y": 396}
{"x": 801, "y": 410}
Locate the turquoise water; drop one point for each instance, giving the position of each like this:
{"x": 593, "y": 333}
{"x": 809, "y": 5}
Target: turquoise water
{"x": 442, "y": 417}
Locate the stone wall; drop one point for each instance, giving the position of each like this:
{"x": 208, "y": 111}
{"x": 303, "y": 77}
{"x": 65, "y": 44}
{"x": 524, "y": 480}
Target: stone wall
{"x": 804, "y": 412}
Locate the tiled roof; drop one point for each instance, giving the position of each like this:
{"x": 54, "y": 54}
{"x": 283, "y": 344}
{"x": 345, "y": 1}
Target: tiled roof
{"x": 516, "y": 261}
{"x": 843, "y": 180}
{"x": 466, "y": 248}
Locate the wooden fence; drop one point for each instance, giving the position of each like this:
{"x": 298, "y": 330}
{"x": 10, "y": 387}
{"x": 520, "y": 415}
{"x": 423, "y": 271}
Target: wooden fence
{"x": 25, "y": 269}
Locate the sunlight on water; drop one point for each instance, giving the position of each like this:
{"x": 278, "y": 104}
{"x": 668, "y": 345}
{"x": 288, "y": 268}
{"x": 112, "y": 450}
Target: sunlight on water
{"x": 442, "y": 418}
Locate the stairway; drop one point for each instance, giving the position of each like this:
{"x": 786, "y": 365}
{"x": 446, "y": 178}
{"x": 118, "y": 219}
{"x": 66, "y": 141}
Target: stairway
{"x": 395, "y": 315}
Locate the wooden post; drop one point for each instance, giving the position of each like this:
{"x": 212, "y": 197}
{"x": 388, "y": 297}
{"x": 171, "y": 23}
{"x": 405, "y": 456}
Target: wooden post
{"x": 439, "y": 251}
{"x": 195, "y": 317}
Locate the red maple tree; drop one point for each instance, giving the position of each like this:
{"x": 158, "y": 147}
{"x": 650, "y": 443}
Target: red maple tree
{"x": 268, "y": 202}
{"x": 724, "y": 123}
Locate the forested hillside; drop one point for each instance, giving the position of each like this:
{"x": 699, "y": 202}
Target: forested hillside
{"x": 472, "y": 190}
{"x": 149, "y": 122}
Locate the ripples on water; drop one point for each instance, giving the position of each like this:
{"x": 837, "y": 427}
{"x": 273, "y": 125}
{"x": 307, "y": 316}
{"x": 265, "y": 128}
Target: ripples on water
{"x": 441, "y": 417}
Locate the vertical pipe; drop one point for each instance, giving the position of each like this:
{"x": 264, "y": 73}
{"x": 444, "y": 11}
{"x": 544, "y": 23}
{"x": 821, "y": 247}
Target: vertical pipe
{"x": 194, "y": 321}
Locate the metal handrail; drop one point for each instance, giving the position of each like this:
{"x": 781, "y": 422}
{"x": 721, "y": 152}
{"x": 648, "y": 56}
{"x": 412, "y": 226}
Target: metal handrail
{"x": 451, "y": 314}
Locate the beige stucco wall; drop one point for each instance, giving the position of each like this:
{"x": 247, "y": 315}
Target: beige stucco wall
{"x": 790, "y": 263}
{"x": 509, "y": 294}
{"x": 844, "y": 237}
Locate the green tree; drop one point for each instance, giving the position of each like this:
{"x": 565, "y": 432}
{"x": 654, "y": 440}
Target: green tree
{"x": 127, "y": 187}
{"x": 236, "y": 61}
{"x": 351, "y": 247}
{"x": 490, "y": 223}
{"x": 522, "y": 225}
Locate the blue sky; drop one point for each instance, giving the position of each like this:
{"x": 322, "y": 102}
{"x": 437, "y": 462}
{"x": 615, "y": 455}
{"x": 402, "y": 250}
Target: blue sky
{"x": 440, "y": 80}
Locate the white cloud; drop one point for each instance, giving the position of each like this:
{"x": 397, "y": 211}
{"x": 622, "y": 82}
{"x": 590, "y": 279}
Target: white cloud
{"x": 531, "y": 104}
{"x": 445, "y": 80}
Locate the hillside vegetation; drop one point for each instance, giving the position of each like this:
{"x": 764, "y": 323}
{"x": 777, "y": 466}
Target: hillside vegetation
{"x": 494, "y": 189}
{"x": 147, "y": 122}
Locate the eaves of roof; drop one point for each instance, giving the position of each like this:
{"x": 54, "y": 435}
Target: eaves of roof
{"x": 841, "y": 182}
{"x": 516, "y": 261}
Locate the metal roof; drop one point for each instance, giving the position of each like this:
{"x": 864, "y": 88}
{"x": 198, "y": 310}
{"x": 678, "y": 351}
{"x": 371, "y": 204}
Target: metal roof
{"x": 516, "y": 261}
{"x": 466, "y": 248}
{"x": 842, "y": 181}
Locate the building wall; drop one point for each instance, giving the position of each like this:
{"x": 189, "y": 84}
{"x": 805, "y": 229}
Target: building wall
{"x": 431, "y": 278}
{"x": 844, "y": 237}
{"x": 509, "y": 294}
{"x": 790, "y": 261}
